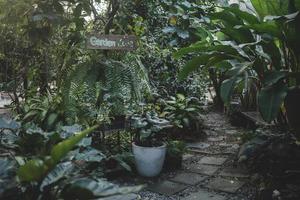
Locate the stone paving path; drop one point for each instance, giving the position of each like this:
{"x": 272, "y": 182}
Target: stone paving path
{"x": 209, "y": 169}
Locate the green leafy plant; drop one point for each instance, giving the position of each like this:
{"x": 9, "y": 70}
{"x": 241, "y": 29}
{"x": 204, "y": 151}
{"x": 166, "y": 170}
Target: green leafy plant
{"x": 175, "y": 151}
{"x": 176, "y": 148}
{"x": 148, "y": 129}
{"x": 40, "y": 175}
{"x": 254, "y": 51}
{"x": 184, "y": 113}
{"x": 35, "y": 169}
{"x": 45, "y": 111}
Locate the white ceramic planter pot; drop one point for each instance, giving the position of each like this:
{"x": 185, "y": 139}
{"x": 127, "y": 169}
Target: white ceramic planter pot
{"x": 149, "y": 160}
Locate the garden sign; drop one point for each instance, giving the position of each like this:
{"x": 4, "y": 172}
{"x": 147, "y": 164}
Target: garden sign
{"x": 111, "y": 42}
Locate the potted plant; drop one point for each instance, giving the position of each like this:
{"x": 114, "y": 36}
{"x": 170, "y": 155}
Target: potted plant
{"x": 148, "y": 147}
{"x": 175, "y": 150}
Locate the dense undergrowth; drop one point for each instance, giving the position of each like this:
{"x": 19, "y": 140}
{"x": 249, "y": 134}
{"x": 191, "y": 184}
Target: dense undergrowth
{"x": 76, "y": 111}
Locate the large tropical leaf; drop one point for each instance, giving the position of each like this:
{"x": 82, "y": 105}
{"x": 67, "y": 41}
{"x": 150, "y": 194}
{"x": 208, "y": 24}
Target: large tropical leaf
{"x": 61, "y": 149}
{"x": 269, "y": 27}
{"x": 204, "y": 48}
{"x": 239, "y": 34}
{"x": 56, "y": 174}
{"x": 227, "y": 88}
{"x": 208, "y": 60}
{"x": 192, "y": 65}
{"x": 33, "y": 170}
{"x": 227, "y": 17}
{"x": 86, "y": 188}
{"x": 273, "y": 77}
{"x": 270, "y": 7}
{"x": 7, "y": 175}
{"x": 270, "y": 99}
{"x": 249, "y": 18}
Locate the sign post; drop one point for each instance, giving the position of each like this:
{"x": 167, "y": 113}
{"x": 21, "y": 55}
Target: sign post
{"x": 112, "y": 42}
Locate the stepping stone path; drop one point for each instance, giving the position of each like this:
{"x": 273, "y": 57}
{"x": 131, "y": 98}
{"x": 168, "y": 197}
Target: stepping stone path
{"x": 225, "y": 185}
{"x": 212, "y": 160}
{"x": 198, "y": 145}
{"x": 167, "y": 188}
{"x": 203, "y": 169}
{"x": 234, "y": 173}
{"x": 188, "y": 178}
{"x": 204, "y": 195}
{"x": 122, "y": 197}
{"x": 208, "y": 172}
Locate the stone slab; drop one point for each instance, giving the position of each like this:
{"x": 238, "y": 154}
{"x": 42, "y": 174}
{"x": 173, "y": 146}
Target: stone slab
{"x": 198, "y": 145}
{"x": 188, "y": 178}
{"x": 210, "y": 132}
{"x": 234, "y": 173}
{"x": 123, "y": 197}
{"x": 231, "y": 132}
{"x": 167, "y": 188}
{"x": 216, "y": 139}
{"x": 203, "y": 169}
{"x": 204, "y": 195}
{"x": 212, "y": 160}
{"x": 187, "y": 156}
{"x": 225, "y": 185}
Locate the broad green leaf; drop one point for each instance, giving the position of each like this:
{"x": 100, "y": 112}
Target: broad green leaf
{"x": 239, "y": 34}
{"x": 194, "y": 48}
{"x": 249, "y": 18}
{"x": 270, "y": 7}
{"x": 204, "y": 48}
{"x": 239, "y": 68}
{"x": 227, "y": 88}
{"x": 270, "y": 99}
{"x": 213, "y": 58}
{"x": 273, "y": 51}
{"x": 282, "y": 17}
{"x": 217, "y": 58}
{"x": 33, "y": 170}
{"x": 90, "y": 155}
{"x": 273, "y": 77}
{"x": 56, "y": 174}
{"x": 62, "y": 149}
{"x": 227, "y": 17}
{"x": 86, "y": 188}
{"x": 192, "y": 65}
{"x": 266, "y": 27}
{"x": 51, "y": 119}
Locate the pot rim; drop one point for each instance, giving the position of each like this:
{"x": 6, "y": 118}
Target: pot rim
{"x": 159, "y": 147}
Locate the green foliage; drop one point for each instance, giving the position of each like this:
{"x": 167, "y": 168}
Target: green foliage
{"x": 148, "y": 128}
{"x": 184, "y": 113}
{"x": 45, "y": 111}
{"x": 257, "y": 52}
{"x": 176, "y": 148}
{"x": 86, "y": 188}
{"x": 57, "y": 173}
{"x": 35, "y": 169}
{"x": 7, "y": 175}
